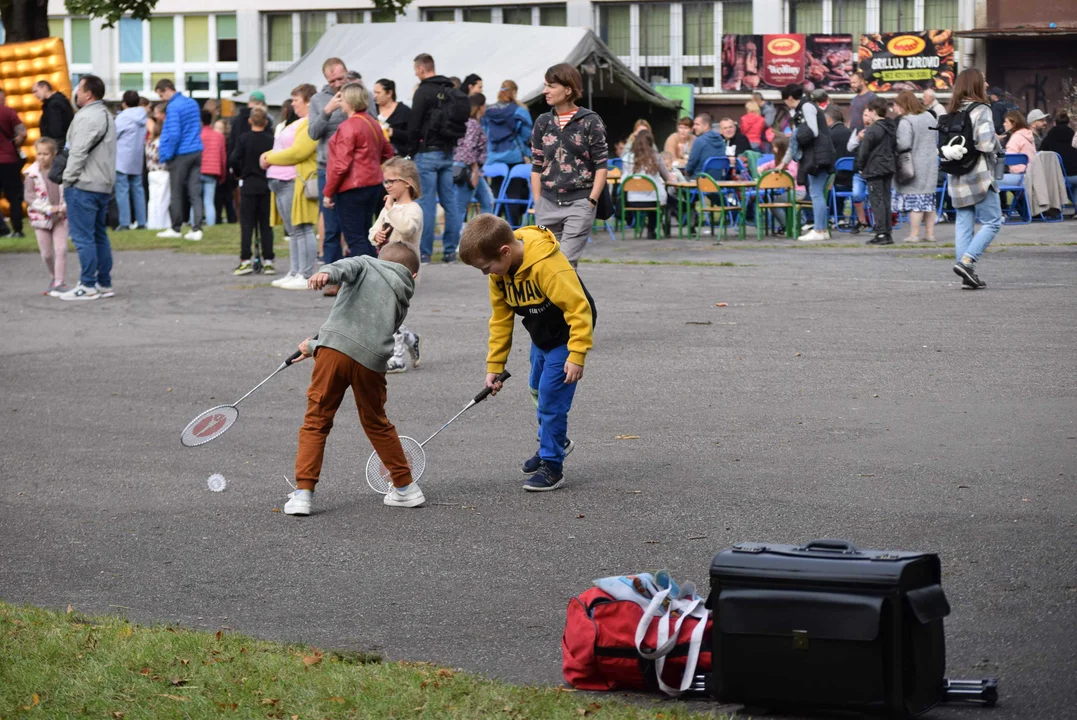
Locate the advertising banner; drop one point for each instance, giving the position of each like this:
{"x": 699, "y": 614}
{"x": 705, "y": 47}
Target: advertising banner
{"x": 892, "y": 62}
{"x": 829, "y": 63}
{"x": 783, "y": 60}
{"x": 741, "y": 58}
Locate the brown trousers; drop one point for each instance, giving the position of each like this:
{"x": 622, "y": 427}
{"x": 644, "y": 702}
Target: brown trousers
{"x": 334, "y": 372}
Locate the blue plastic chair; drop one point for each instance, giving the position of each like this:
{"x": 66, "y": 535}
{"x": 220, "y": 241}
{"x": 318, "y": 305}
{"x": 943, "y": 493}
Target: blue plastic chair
{"x": 769, "y": 157}
{"x": 1019, "y": 196}
{"x": 844, "y": 164}
{"x": 717, "y": 167}
{"x": 503, "y": 202}
{"x": 616, "y": 162}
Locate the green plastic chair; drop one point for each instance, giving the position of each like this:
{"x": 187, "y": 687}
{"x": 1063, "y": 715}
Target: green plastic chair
{"x": 769, "y": 182}
{"x": 640, "y": 183}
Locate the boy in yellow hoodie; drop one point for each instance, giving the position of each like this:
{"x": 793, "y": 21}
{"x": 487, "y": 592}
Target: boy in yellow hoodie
{"x": 531, "y": 277}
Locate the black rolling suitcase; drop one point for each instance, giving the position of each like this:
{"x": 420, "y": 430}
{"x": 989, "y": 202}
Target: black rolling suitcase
{"x": 828, "y": 627}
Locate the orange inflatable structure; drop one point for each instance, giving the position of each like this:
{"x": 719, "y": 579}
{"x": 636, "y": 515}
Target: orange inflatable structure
{"x": 22, "y": 65}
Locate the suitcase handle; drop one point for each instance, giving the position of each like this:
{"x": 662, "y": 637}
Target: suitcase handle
{"x": 842, "y": 546}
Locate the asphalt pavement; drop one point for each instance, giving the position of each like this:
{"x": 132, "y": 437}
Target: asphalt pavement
{"x": 840, "y": 392}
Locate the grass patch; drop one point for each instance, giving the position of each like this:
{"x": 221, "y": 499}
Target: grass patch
{"x": 684, "y": 263}
{"x": 65, "y": 665}
{"x": 216, "y": 240}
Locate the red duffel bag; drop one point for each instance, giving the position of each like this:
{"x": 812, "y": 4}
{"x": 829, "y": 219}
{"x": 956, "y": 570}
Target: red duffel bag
{"x": 612, "y": 644}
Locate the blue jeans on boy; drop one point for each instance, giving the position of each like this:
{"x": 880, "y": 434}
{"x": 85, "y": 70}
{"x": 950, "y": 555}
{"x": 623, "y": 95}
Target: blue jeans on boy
{"x": 480, "y": 193}
{"x": 860, "y": 189}
{"x": 86, "y": 217}
{"x": 332, "y": 250}
{"x": 129, "y": 190}
{"x": 547, "y": 380}
{"x": 817, "y": 191}
{"x": 988, "y": 212}
{"x": 435, "y": 181}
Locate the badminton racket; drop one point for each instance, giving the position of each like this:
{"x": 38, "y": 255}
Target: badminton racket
{"x": 213, "y": 423}
{"x": 377, "y": 475}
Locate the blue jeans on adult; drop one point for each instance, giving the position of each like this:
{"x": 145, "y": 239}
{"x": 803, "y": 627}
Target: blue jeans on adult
{"x": 435, "y": 181}
{"x": 209, "y": 192}
{"x": 86, "y": 218}
{"x": 987, "y": 212}
{"x": 331, "y": 247}
{"x": 547, "y": 382}
{"x": 356, "y": 211}
{"x": 129, "y": 191}
{"x": 481, "y": 194}
{"x": 817, "y": 191}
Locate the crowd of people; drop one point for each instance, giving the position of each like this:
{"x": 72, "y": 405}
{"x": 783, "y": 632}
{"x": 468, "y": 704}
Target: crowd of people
{"x": 321, "y": 171}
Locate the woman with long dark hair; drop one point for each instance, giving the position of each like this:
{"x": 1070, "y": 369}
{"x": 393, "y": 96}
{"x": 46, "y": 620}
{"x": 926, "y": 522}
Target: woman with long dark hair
{"x": 393, "y": 115}
{"x": 975, "y": 193}
{"x": 643, "y": 159}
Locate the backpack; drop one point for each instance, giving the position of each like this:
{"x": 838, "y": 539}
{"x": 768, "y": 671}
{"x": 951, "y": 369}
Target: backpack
{"x": 449, "y": 115}
{"x": 654, "y": 641}
{"x": 955, "y": 132}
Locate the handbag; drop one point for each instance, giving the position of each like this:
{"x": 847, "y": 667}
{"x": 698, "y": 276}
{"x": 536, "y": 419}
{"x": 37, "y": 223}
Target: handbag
{"x": 904, "y": 171}
{"x": 604, "y": 206}
{"x": 461, "y": 175}
{"x": 310, "y": 186}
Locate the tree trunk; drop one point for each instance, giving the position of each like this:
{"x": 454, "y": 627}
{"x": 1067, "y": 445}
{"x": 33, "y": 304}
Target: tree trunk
{"x": 25, "y": 20}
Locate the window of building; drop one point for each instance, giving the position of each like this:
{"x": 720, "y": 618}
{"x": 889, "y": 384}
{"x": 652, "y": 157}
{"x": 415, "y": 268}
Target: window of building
{"x": 654, "y": 29}
{"x": 228, "y": 81}
{"x": 197, "y": 81}
{"x": 383, "y": 16}
{"x": 897, "y": 16}
{"x": 615, "y": 28}
{"x": 80, "y": 40}
{"x": 158, "y": 76}
{"x": 131, "y": 41}
{"x": 516, "y": 16}
{"x": 350, "y": 17}
{"x": 273, "y": 74}
{"x": 440, "y": 15}
{"x": 482, "y": 15}
{"x": 553, "y": 16}
{"x": 196, "y": 38}
{"x": 737, "y": 18}
{"x": 850, "y": 17}
{"x": 698, "y": 28}
{"x": 940, "y": 14}
{"x": 56, "y": 27}
{"x": 131, "y": 81}
{"x": 279, "y": 31}
{"x": 162, "y": 40}
{"x": 655, "y": 74}
{"x": 227, "y": 50}
{"x": 311, "y": 29}
{"x": 806, "y": 16}
{"x": 702, "y": 76}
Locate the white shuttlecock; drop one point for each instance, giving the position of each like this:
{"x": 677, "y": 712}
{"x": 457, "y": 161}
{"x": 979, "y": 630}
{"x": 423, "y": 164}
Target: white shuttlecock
{"x": 216, "y": 482}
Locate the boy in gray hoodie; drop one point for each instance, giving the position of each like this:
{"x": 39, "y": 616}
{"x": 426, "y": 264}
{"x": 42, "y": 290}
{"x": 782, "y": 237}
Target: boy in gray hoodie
{"x": 352, "y": 349}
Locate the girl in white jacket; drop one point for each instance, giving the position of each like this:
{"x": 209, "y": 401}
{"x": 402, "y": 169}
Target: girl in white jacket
{"x": 401, "y": 220}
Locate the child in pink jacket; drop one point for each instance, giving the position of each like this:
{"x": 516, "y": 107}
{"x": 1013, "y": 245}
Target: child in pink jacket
{"x": 48, "y": 215}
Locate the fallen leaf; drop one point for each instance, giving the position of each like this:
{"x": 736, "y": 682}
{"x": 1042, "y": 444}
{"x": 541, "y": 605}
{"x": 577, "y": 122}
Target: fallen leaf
{"x": 117, "y": 714}
{"x": 227, "y": 706}
{"x": 962, "y": 487}
{"x": 219, "y": 634}
{"x": 565, "y": 689}
{"x": 652, "y": 542}
{"x": 627, "y": 437}
{"x": 445, "y": 673}
{"x": 335, "y": 698}
{"x": 70, "y": 609}
{"x": 145, "y": 671}
{"x": 798, "y": 354}
{"x": 270, "y": 701}
{"x": 35, "y": 700}
{"x": 276, "y": 509}
{"x": 721, "y": 304}
{"x": 581, "y": 516}
{"x": 178, "y": 681}
{"x": 309, "y": 660}
{"x": 169, "y": 390}
{"x": 126, "y": 631}
{"x": 175, "y": 697}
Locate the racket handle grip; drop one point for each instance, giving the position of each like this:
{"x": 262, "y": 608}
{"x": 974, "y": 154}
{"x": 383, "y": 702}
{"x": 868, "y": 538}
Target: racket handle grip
{"x": 296, "y": 355}
{"x": 486, "y": 391}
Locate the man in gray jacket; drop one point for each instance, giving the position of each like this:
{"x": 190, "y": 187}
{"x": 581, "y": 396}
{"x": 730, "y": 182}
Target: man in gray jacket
{"x": 326, "y": 114}
{"x": 89, "y": 178}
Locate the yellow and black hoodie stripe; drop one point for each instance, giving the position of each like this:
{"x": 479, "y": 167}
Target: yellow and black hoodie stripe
{"x": 548, "y": 293}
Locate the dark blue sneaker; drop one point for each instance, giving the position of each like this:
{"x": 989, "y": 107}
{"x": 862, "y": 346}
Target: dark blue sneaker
{"x": 531, "y": 466}
{"x": 544, "y": 479}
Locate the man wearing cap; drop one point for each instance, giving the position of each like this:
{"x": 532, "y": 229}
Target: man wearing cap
{"x": 1037, "y": 121}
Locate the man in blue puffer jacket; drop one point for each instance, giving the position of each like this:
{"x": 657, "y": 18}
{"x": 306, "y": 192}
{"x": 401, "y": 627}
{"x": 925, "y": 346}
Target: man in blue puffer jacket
{"x": 181, "y": 148}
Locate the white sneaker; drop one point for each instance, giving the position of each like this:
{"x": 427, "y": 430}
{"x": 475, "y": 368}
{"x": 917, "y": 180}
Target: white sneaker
{"x": 814, "y": 236}
{"x": 398, "y": 363}
{"x": 281, "y": 280}
{"x": 299, "y": 502}
{"x": 104, "y": 292}
{"x": 298, "y": 282}
{"x": 80, "y": 292}
{"x": 268, "y": 268}
{"x": 195, "y": 235}
{"x": 411, "y": 497}
{"x": 169, "y": 233}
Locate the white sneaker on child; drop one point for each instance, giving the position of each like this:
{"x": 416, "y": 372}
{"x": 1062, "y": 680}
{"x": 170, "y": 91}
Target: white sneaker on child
{"x": 398, "y": 363}
{"x": 412, "y": 496}
{"x": 299, "y": 502}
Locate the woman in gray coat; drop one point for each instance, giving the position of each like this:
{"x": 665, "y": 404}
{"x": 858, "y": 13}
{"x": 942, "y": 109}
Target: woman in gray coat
{"x": 917, "y": 196}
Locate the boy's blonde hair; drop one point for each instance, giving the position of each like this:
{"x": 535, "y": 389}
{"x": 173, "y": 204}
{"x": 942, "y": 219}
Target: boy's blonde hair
{"x": 407, "y": 171}
{"x": 355, "y": 96}
{"x": 483, "y": 238}
{"x": 402, "y": 253}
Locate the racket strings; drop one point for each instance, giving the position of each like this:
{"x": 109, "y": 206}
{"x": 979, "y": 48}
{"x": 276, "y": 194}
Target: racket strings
{"x": 378, "y": 476}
